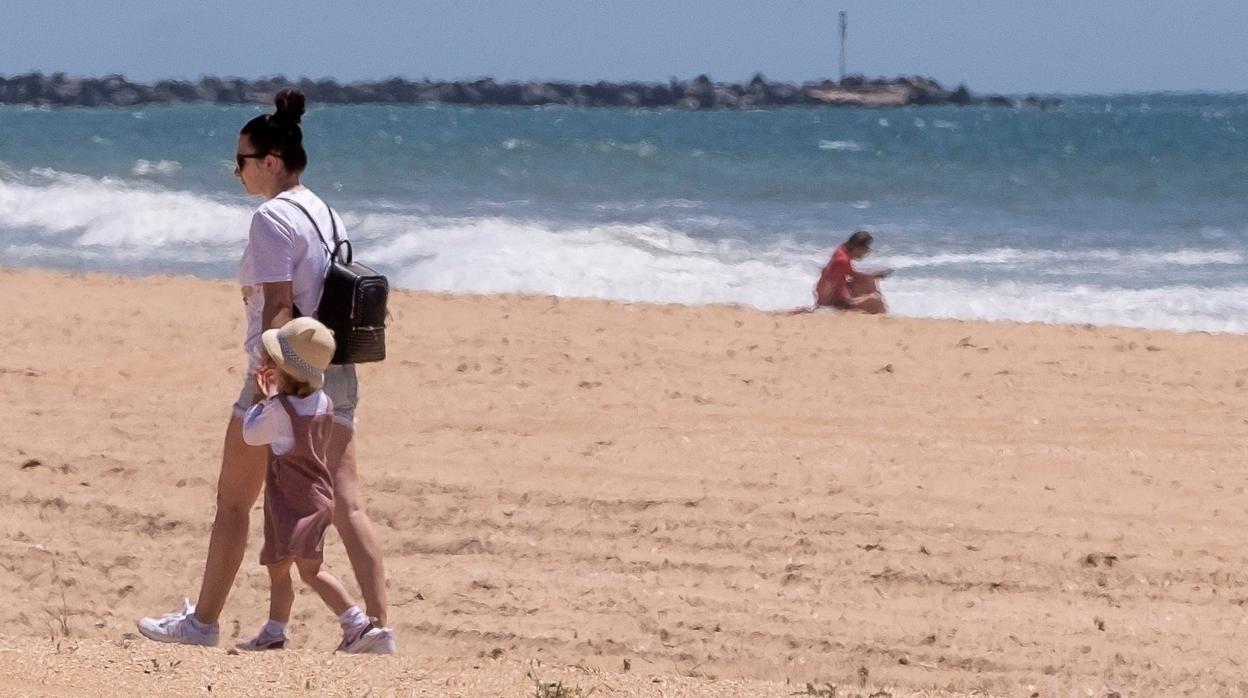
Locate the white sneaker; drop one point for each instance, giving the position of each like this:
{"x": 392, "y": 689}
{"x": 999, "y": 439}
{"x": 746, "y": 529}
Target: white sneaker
{"x": 369, "y": 640}
{"x": 263, "y": 641}
{"x": 180, "y": 627}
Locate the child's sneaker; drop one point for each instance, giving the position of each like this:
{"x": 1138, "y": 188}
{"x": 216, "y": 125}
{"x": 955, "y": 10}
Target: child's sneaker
{"x": 180, "y": 627}
{"x": 368, "y": 640}
{"x": 264, "y": 640}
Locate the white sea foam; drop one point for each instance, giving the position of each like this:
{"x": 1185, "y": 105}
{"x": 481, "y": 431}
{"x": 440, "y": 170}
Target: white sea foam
{"x": 1184, "y": 308}
{"x": 111, "y": 213}
{"x": 644, "y": 205}
{"x": 1006, "y": 257}
{"x": 62, "y": 218}
{"x": 143, "y": 168}
{"x": 642, "y": 148}
{"x": 681, "y": 203}
{"x": 845, "y": 146}
{"x": 626, "y": 262}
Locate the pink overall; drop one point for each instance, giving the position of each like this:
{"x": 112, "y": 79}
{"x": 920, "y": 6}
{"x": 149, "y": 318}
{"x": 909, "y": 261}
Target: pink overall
{"x": 298, "y": 492}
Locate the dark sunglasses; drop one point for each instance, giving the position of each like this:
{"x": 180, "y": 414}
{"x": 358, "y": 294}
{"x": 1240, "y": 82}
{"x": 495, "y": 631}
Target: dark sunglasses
{"x": 241, "y": 158}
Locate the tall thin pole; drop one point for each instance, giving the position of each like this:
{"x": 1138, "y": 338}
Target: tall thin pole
{"x": 844, "y": 23}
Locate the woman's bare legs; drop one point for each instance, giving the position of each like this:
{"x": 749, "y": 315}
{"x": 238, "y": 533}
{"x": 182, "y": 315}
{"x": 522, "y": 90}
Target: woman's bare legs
{"x": 238, "y": 487}
{"x": 354, "y": 526}
{"x": 865, "y": 297}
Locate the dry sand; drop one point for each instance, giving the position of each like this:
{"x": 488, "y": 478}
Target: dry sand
{"x": 729, "y": 502}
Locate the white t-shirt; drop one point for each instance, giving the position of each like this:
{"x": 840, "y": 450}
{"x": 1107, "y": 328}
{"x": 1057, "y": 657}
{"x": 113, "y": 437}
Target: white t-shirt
{"x": 283, "y": 246}
{"x": 266, "y": 422}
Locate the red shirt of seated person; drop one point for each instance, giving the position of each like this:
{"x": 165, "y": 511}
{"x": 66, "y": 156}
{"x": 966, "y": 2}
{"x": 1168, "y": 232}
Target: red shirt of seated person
{"x": 843, "y": 287}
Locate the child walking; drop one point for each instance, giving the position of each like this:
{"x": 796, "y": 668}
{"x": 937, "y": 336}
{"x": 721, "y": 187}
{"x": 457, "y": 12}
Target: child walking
{"x": 294, "y": 421}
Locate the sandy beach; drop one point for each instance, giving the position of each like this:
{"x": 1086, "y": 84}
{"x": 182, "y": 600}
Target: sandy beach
{"x": 646, "y": 500}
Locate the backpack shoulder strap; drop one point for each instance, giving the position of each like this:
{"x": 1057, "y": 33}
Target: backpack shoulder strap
{"x": 332, "y": 221}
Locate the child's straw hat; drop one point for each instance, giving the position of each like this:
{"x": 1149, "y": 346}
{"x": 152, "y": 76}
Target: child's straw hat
{"x": 302, "y": 348}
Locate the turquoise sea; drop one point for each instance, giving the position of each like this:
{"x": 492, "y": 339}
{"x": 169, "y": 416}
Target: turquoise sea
{"x": 1129, "y": 210}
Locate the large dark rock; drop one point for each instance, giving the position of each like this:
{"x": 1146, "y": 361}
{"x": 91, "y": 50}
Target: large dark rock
{"x": 729, "y": 96}
{"x": 699, "y": 93}
{"x": 174, "y": 91}
{"x": 783, "y": 94}
{"x": 599, "y": 94}
{"x": 537, "y": 93}
{"x": 653, "y": 96}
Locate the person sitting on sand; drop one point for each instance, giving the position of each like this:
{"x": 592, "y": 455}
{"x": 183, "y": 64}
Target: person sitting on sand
{"x": 295, "y": 420}
{"x": 843, "y": 287}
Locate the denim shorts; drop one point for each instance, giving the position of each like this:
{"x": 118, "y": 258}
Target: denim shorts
{"x": 341, "y": 386}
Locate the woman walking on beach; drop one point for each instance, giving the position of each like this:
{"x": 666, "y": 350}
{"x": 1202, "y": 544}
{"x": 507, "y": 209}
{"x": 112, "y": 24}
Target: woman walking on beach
{"x": 283, "y": 269}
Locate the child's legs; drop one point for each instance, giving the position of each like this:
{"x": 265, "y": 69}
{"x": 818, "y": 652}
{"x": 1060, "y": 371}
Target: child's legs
{"x": 325, "y": 585}
{"x": 281, "y": 592}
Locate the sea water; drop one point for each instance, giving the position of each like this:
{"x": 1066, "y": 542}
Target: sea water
{"x": 1122, "y": 210}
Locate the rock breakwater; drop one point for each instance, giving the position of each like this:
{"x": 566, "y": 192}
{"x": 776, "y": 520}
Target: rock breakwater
{"x": 699, "y": 93}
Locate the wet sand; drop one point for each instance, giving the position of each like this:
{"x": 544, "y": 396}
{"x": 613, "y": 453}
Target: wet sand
{"x": 728, "y": 502}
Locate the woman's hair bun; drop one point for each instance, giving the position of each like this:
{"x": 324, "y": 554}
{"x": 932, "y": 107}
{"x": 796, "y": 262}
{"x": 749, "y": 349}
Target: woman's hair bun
{"x": 290, "y": 106}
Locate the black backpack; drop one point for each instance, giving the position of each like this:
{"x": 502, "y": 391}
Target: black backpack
{"x": 353, "y": 303}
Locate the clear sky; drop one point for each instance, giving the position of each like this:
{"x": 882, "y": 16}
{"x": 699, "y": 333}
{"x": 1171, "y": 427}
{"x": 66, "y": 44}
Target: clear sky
{"x": 991, "y": 45}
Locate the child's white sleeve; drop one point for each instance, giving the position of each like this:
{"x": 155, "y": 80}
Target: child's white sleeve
{"x": 267, "y": 424}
